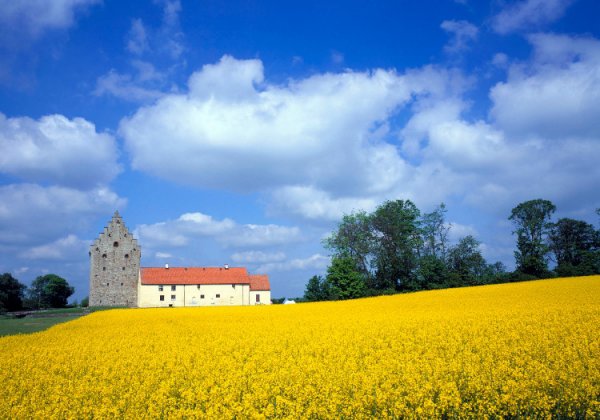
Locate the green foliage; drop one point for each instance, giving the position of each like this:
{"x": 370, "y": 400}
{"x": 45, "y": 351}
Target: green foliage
{"x": 532, "y": 225}
{"x": 575, "y": 245}
{"x": 396, "y": 226}
{"x": 434, "y": 231}
{"x": 49, "y": 291}
{"x": 466, "y": 262}
{"x": 316, "y": 289}
{"x": 343, "y": 279}
{"x": 85, "y": 302}
{"x": 11, "y": 293}
{"x": 353, "y": 238}
{"x": 396, "y": 249}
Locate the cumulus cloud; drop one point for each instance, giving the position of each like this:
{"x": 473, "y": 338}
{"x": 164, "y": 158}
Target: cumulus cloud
{"x": 524, "y": 14}
{"x": 58, "y": 150}
{"x": 316, "y": 204}
{"x": 315, "y": 262}
{"x": 463, "y": 33}
{"x": 194, "y": 226}
{"x": 34, "y": 17}
{"x": 253, "y": 257}
{"x": 54, "y": 209}
{"x": 556, "y": 95}
{"x": 233, "y": 130}
{"x": 142, "y": 86}
{"x": 68, "y": 248}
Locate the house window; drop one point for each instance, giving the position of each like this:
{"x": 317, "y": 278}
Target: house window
{"x": 162, "y": 298}
{"x": 257, "y": 298}
{"x": 218, "y": 295}
{"x": 173, "y": 288}
{"x": 198, "y": 287}
{"x": 201, "y": 296}
{"x": 160, "y": 287}
{"x": 173, "y": 297}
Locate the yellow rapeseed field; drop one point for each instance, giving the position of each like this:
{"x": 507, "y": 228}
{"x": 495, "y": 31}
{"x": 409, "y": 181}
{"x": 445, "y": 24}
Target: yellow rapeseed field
{"x": 525, "y": 349}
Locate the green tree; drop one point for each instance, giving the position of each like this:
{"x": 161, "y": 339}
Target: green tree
{"x": 435, "y": 232}
{"x": 397, "y": 243}
{"x": 316, "y": 289}
{"x": 466, "y": 262}
{"x": 575, "y": 245}
{"x": 85, "y": 302}
{"x": 532, "y": 225}
{"x": 353, "y": 238}
{"x": 49, "y": 291}
{"x": 11, "y": 293}
{"x": 344, "y": 280}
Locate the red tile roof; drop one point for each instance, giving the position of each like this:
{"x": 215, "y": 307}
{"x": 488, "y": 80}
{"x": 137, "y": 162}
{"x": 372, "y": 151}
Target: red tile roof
{"x": 203, "y": 275}
{"x": 259, "y": 282}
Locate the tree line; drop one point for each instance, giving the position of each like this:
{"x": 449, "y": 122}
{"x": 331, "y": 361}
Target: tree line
{"x": 396, "y": 248}
{"x": 48, "y": 291}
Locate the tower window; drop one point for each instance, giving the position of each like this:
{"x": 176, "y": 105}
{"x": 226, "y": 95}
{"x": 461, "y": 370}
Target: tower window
{"x": 103, "y": 255}
{"x": 126, "y": 255}
{"x": 103, "y": 268}
{"x": 115, "y": 244}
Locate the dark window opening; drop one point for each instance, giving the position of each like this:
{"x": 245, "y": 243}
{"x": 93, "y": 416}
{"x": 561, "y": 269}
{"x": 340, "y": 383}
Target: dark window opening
{"x": 173, "y": 297}
{"x": 103, "y": 255}
{"x": 173, "y": 288}
{"x": 121, "y": 284}
{"x": 160, "y": 287}
{"x": 103, "y": 268}
{"x": 115, "y": 244}
{"x": 126, "y": 255}
{"x": 162, "y": 298}
{"x": 201, "y": 296}
{"x": 218, "y": 295}
{"x": 257, "y": 298}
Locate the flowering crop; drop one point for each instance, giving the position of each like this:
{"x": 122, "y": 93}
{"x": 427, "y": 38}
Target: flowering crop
{"x": 525, "y": 349}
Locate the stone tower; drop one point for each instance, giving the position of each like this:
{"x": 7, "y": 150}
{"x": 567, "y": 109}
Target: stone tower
{"x": 114, "y": 266}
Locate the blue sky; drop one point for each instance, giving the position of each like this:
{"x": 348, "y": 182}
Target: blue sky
{"x": 240, "y": 132}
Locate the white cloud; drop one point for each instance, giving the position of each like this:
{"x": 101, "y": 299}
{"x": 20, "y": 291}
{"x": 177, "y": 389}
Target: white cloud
{"x": 252, "y": 257}
{"x": 191, "y": 227}
{"x": 32, "y": 215}
{"x": 314, "y": 262}
{"x": 137, "y": 42}
{"x": 34, "y": 17}
{"x": 523, "y": 14}
{"x": 127, "y": 87}
{"x": 58, "y": 150}
{"x": 312, "y": 203}
{"x": 233, "y": 130}
{"x": 463, "y": 33}
{"x": 68, "y": 248}
{"x": 556, "y": 95}
{"x": 163, "y": 255}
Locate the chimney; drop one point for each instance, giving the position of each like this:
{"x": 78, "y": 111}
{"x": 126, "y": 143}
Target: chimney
{"x": 166, "y": 266}
{"x": 226, "y": 266}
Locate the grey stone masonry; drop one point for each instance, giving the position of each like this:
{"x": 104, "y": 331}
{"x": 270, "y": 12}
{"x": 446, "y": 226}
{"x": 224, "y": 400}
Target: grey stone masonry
{"x": 114, "y": 266}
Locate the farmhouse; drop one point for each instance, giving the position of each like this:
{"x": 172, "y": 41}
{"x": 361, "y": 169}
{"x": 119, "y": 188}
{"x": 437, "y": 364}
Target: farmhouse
{"x": 116, "y": 278}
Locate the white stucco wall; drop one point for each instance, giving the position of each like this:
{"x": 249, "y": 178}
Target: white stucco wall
{"x": 194, "y": 295}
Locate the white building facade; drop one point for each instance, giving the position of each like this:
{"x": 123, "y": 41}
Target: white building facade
{"x": 116, "y": 278}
